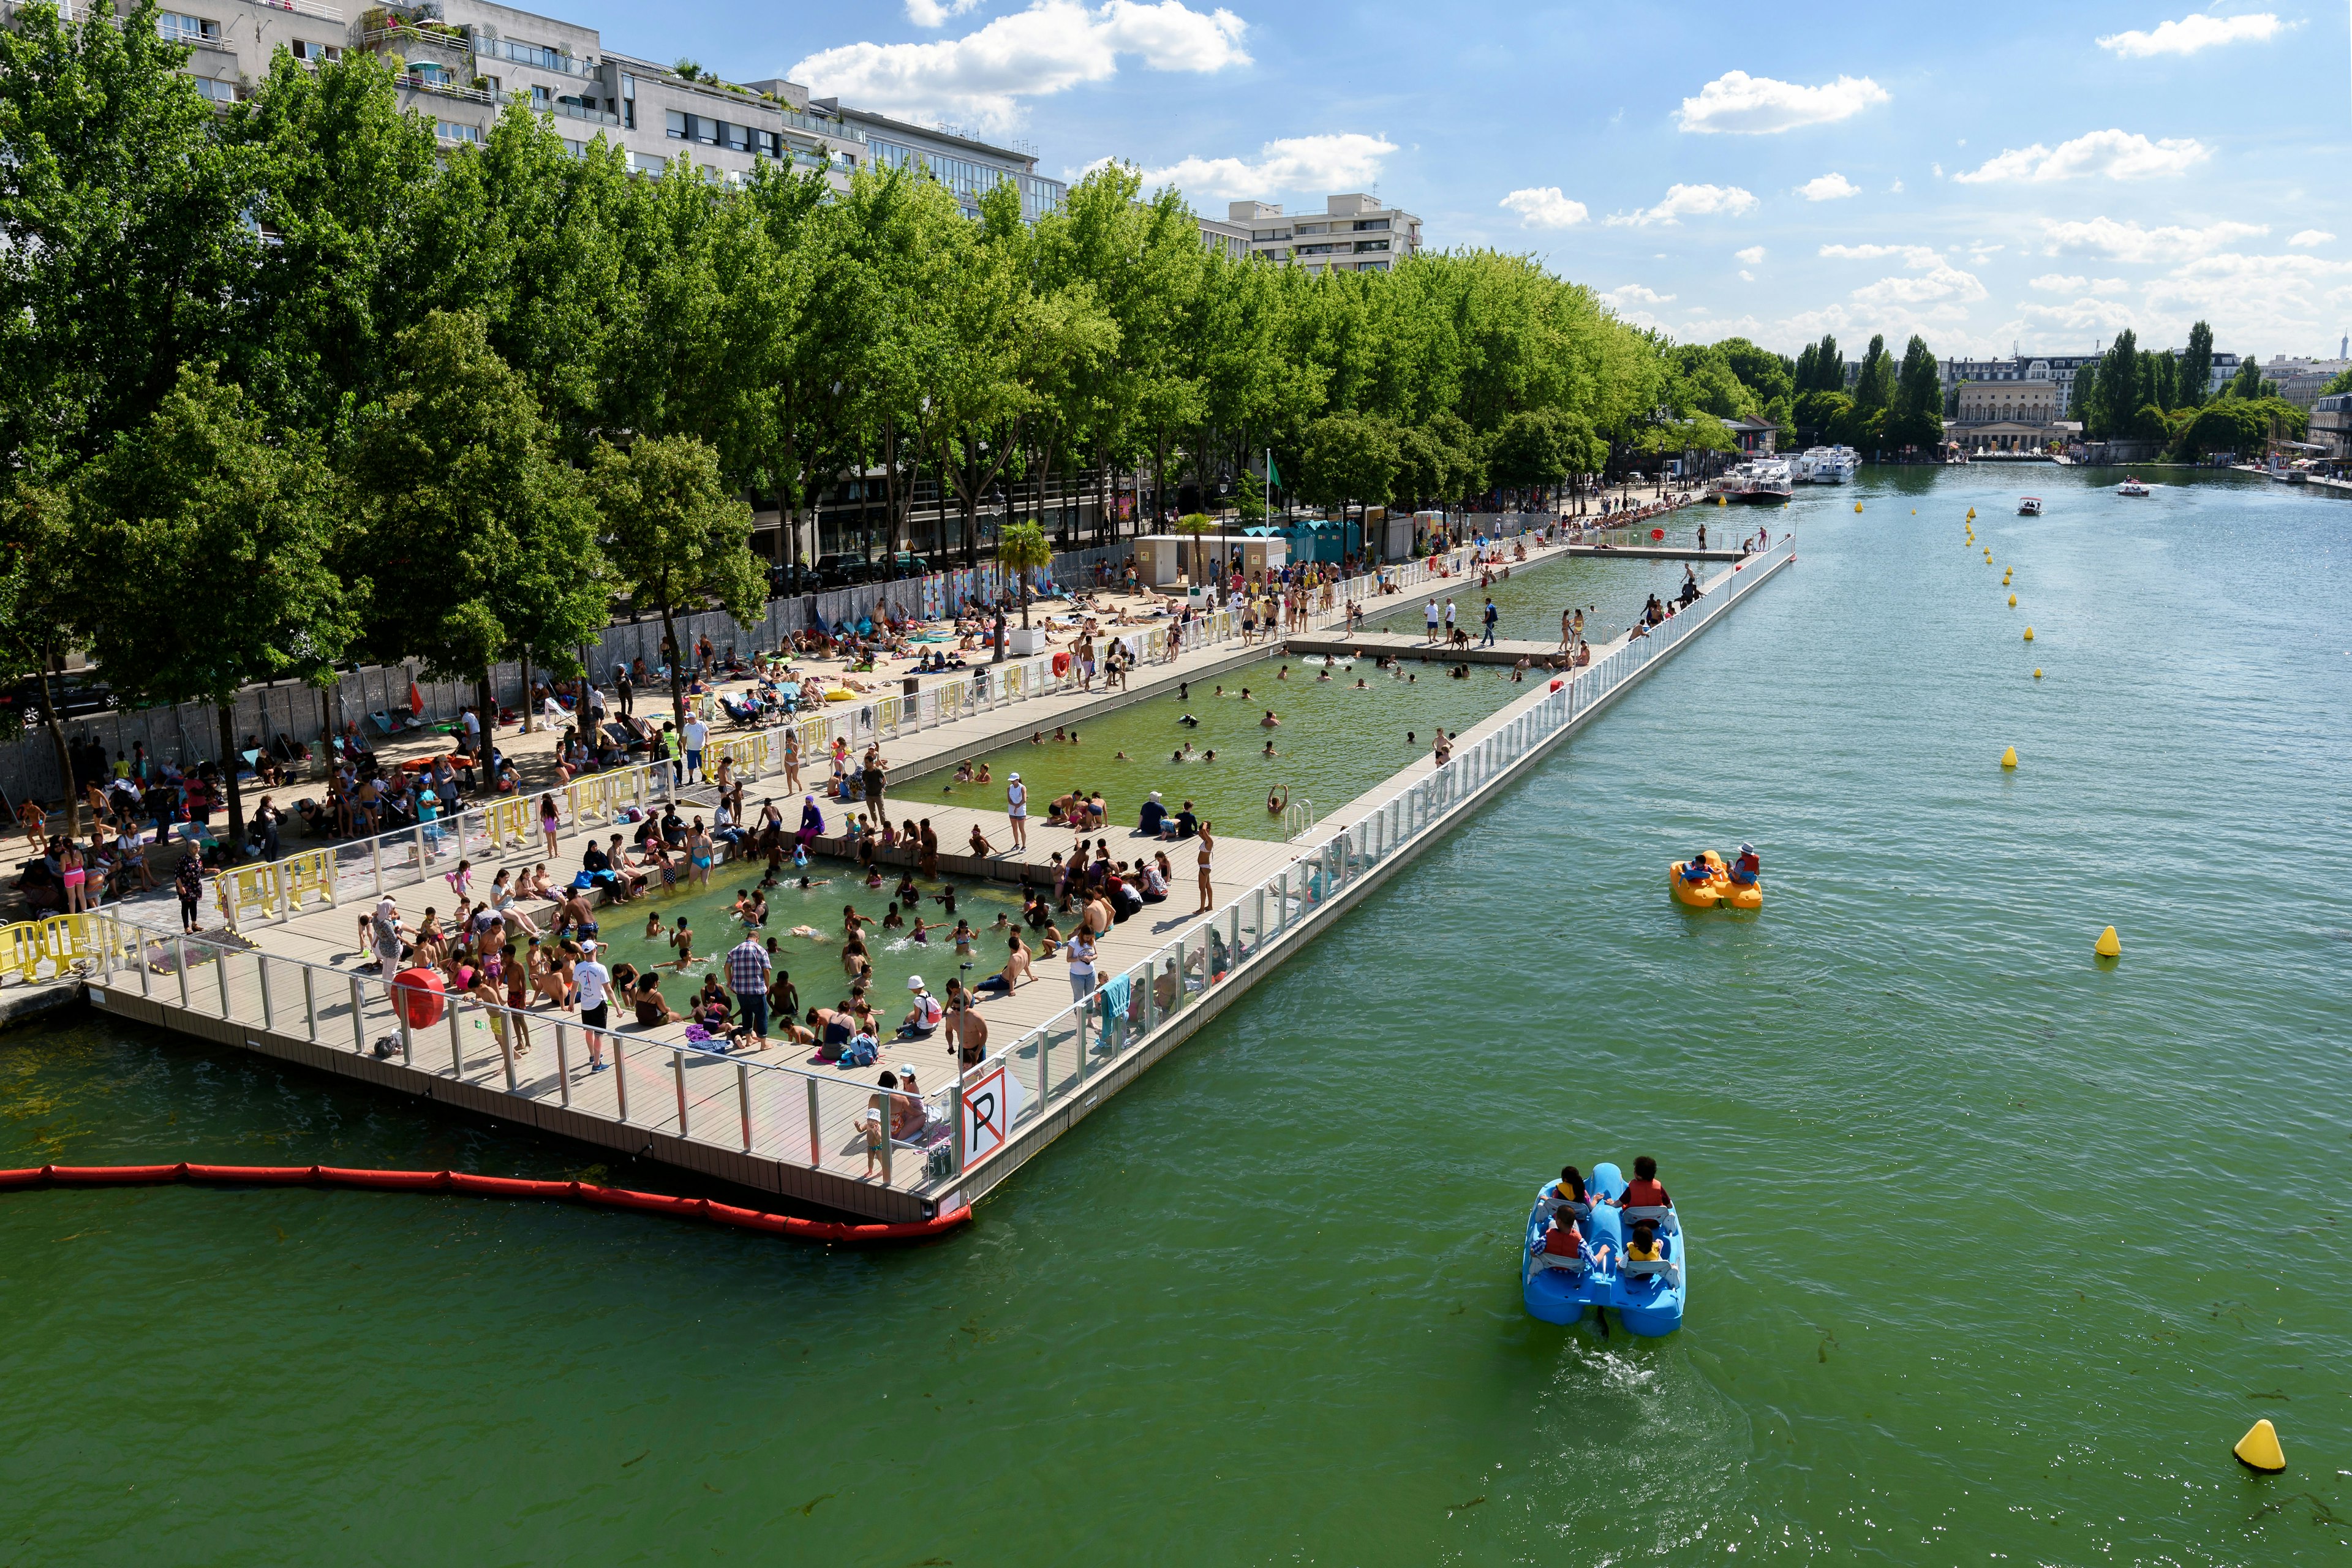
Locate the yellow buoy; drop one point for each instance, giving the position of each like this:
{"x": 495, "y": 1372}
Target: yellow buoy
{"x": 1972, "y": 514}
{"x": 2029, "y": 633}
{"x": 2012, "y": 601}
{"x": 2037, "y": 674}
{"x": 2108, "y": 945}
{"x": 2009, "y": 758}
{"x": 1857, "y": 506}
{"x": 2259, "y": 1448}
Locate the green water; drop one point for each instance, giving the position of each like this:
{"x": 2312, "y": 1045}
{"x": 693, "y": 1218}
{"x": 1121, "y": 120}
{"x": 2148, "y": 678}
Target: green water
{"x": 814, "y": 962}
{"x": 1335, "y": 741}
{"x": 1996, "y": 1251}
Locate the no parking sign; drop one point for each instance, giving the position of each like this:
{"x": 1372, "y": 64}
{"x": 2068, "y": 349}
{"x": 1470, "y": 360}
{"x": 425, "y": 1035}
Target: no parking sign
{"x": 991, "y": 1102}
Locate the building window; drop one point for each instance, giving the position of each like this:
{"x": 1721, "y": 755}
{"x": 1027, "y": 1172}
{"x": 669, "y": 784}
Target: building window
{"x": 218, "y": 92}
{"x": 450, "y": 130}
{"x": 1365, "y": 245}
{"x": 648, "y": 162}
{"x": 1312, "y": 229}
{"x": 677, "y": 126}
{"x": 735, "y": 136}
{"x": 312, "y": 54}
{"x": 541, "y": 98}
{"x": 1371, "y": 223}
{"x": 185, "y": 29}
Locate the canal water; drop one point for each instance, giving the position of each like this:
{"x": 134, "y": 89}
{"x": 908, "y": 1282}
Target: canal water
{"x": 1996, "y": 1250}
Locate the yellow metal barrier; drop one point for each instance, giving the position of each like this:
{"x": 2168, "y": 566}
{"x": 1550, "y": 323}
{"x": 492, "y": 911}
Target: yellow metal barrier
{"x": 509, "y": 823}
{"x": 246, "y": 887}
{"x": 23, "y": 945}
{"x": 310, "y": 872}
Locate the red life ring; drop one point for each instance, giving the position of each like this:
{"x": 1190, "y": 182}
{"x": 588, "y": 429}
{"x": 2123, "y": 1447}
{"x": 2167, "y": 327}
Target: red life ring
{"x": 418, "y": 992}
{"x": 1657, "y": 533}
{"x": 1061, "y": 663}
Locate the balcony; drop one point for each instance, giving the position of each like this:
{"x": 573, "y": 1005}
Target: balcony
{"x": 579, "y": 112}
{"x": 301, "y": 8}
{"x": 416, "y": 83}
{"x": 410, "y": 36}
{"x": 530, "y": 55}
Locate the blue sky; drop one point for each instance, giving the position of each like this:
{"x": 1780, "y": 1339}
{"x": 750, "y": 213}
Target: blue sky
{"x": 1977, "y": 173}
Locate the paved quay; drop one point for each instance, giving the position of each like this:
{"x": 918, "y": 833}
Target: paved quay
{"x": 1396, "y": 645}
{"x": 295, "y": 984}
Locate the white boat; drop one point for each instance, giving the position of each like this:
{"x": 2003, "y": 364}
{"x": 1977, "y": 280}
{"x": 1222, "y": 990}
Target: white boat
{"x": 2029, "y": 506}
{"x": 2131, "y": 486}
{"x": 1842, "y": 464}
{"x": 1766, "y": 481}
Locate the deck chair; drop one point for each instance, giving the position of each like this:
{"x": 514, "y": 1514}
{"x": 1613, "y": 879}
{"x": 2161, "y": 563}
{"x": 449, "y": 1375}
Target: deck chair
{"x": 1664, "y": 1217}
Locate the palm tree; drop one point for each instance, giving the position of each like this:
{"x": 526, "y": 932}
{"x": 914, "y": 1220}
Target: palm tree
{"x": 1196, "y": 524}
{"x": 1020, "y": 550}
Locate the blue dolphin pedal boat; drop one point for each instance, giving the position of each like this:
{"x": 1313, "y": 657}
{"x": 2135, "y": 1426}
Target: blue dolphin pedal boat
{"x": 1648, "y": 1297}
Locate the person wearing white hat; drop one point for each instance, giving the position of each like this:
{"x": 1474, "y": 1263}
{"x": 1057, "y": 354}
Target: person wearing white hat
{"x": 595, "y": 983}
{"x": 1016, "y": 806}
{"x": 1155, "y": 812}
{"x": 923, "y": 1020}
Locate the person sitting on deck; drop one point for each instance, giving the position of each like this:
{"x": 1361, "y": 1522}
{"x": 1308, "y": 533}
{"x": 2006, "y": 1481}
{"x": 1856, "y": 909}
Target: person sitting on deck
{"x": 1155, "y": 812}
{"x": 1646, "y": 1191}
{"x": 1747, "y": 867}
{"x": 923, "y": 1020}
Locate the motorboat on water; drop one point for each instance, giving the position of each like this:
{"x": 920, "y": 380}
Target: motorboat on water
{"x": 1838, "y": 466}
{"x": 1764, "y": 482}
{"x": 2131, "y": 486}
{"x": 2029, "y": 506}
{"x": 1557, "y": 1286}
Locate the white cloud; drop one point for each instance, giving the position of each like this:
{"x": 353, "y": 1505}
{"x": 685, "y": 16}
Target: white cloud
{"x": 2311, "y": 237}
{"x": 2193, "y": 33}
{"x": 2129, "y": 242}
{"x": 1759, "y": 106}
{"x": 1050, "y": 48}
{"x": 1941, "y": 284}
{"x": 1688, "y": 201}
{"x": 1895, "y": 189}
{"x": 1746, "y": 275}
{"x": 1912, "y": 255}
{"x": 2290, "y": 297}
{"x": 1337, "y": 162}
{"x": 1828, "y": 188}
{"x": 2083, "y": 316}
{"x": 2117, "y": 154}
{"x": 935, "y": 12}
{"x": 2065, "y": 283}
{"x": 1544, "y": 207}
{"x": 1752, "y": 255}
{"x": 1628, "y": 301}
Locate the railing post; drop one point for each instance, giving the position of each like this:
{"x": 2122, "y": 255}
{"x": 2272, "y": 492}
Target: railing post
{"x": 563, "y": 1063}
{"x": 375, "y": 857}
{"x": 310, "y": 1001}
{"x": 506, "y": 1043}
{"x": 220, "y": 974}
{"x": 261, "y": 968}
{"x": 456, "y": 1045}
{"x": 358, "y": 1023}
{"x": 407, "y": 1033}
{"x": 678, "y": 1069}
{"x": 816, "y": 1141}
{"x": 743, "y": 1098}
{"x": 955, "y": 1115}
{"x": 620, "y": 1076}
{"x": 889, "y": 1174}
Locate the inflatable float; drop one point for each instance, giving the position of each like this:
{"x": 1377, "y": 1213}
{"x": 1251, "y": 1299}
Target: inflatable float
{"x": 1716, "y": 891}
{"x": 1556, "y": 1289}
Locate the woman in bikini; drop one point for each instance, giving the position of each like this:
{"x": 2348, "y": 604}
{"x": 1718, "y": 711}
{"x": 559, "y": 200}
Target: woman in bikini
{"x": 1208, "y": 844}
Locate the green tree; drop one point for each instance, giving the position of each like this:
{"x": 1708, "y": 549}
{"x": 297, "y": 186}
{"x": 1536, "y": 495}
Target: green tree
{"x": 677, "y": 537}
{"x": 122, "y": 252}
{"x": 482, "y": 542}
{"x": 45, "y": 601}
{"x": 1348, "y": 458}
{"x": 235, "y": 535}
{"x": 1919, "y": 409}
{"x": 1194, "y": 525}
{"x": 1874, "y": 391}
{"x": 2248, "y": 382}
{"x": 2196, "y": 371}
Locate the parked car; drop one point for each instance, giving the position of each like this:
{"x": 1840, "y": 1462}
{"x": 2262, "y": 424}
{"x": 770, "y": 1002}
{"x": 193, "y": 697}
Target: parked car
{"x": 841, "y": 571}
{"x": 77, "y": 697}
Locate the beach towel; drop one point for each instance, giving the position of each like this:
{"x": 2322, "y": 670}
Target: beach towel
{"x": 1116, "y": 993}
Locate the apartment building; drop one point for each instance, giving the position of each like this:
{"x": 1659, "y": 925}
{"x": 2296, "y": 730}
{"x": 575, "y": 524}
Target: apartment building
{"x": 2300, "y": 381}
{"x": 1353, "y": 233}
{"x": 966, "y": 165}
{"x": 459, "y": 62}
{"x": 1982, "y": 383}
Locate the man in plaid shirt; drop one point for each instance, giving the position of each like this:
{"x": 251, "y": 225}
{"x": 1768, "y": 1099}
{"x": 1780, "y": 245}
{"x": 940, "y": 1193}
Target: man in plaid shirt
{"x": 747, "y": 976}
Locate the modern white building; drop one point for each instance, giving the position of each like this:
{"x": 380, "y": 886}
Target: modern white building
{"x": 1353, "y": 233}
{"x": 2301, "y": 381}
{"x": 459, "y": 62}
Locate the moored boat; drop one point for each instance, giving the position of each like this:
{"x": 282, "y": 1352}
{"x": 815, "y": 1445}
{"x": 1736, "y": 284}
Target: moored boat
{"x": 2029, "y": 506}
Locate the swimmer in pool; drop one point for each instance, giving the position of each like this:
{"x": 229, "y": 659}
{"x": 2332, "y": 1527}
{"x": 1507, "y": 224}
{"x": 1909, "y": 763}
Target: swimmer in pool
{"x": 1269, "y": 750}
{"x": 1325, "y": 675}
{"x": 1269, "y": 721}
{"x": 1189, "y": 722}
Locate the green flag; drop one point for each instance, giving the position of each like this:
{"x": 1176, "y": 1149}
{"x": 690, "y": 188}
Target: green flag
{"x": 1272, "y": 478}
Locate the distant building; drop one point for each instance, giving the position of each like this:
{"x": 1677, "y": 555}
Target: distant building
{"x": 2300, "y": 381}
{"x": 967, "y": 166}
{"x": 1757, "y": 437}
{"x": 1352, "y": 234}
{"x": 2331, "y": 423}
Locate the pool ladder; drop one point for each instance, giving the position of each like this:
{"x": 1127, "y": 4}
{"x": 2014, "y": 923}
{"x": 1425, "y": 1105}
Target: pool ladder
{"x": 1297, "y": 817}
